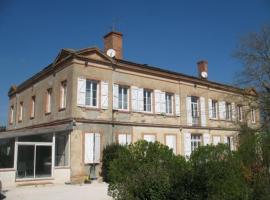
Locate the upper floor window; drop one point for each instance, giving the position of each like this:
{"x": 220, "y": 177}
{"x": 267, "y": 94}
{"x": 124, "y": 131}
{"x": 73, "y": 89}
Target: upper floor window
{"x": 49, "y": 101}
{"x": 195, "y": 110}
{"x": 33, "y": 107}
{"x": 11, "y": 116}
{"x": 240, "y": 113}
{"x": 253, "y": 116}
{"x": 63, "y": 95}
{"x": 169, "y": 103}
{"x": 122, "y": 98}
{"x": 21, "y": 112}
{"x": 147, "y": 100}
{"x": 91, "y": 93}
{"x": 196, "y": 141}
{"x": 228, "y": 111}
{"x": 214, "y": 109}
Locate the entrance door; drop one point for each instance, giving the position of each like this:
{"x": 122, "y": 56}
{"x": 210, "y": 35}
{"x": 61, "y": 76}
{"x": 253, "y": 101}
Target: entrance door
{"x": 34, "y": 161}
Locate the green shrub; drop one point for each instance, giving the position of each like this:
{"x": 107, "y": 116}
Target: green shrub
{"x": 110, "y": 153}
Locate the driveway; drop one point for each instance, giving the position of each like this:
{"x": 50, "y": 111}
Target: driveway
{"x": 94, "y": 191}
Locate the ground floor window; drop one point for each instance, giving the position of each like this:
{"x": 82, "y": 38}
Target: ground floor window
{"x": 216, "y": 140}
{"x": 171, "y": 142}
{"x": 149, "y": 137}
{"x": 61, "y": 149}
{"x": 196, "y": 141}
{"x": 92, "y": 148}
{"x": 7, "y": 153}
{"x": 124, "y": 139}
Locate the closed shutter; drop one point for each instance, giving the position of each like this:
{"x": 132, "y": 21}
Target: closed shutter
{"x": 163, "y": 102}
{"x": 149, "y": 138}
{"x": 129, "y": 139}
{"x": 140, "y": 99}
{"x": 177, "y": 105}
{"x": 81, "y": 90}
{"x": 134, "y": 98}
{"x": 189, "y": 111}
{"x": 89, "y": 148}
{"x": 187, "y": 144}
{"x": 115, "y": 96}
{"x": 210, "y": 108}
{"x": 122, "y": 139}
{"x": 97, "y": 148}
{"x": 157, "y": 101}
{"x": 104, "y": 95}
{"x": 232, "y": 143}
{"x": 206, "y": 139}
{"x": 233, "y": 112}
{"x": 222, "y": 111}
{"x": 203, "y": 113}
{"x": 216, "y": 140}
{"x": 171, "y": 142}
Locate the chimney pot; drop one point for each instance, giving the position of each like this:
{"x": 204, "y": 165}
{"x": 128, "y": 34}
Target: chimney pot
{"x": 202, "y": 67}
{"x": 114, "y": 40}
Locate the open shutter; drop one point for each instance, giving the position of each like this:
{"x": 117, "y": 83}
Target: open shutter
{"x": 177, "y": 104}
{"x": 163, "y": 102}
{"x": 221, "y": 106}
{"x": 203, "y": 113}
{"x": 189, "y": 111}
{"x": 210, "y": 108}
{"x": 104, "y": 95}
{"x": 216, "y": 140}
{"x": 97, "y": 148}
{"x": 140, "y": 99}
{"x": 115, "y": 96}
{"x": 88, "y": 148}
{"x": 134, "y": 98}
{"x": 171, "y": 142}
{"x": 157, "y": 101}
{"x": 206, "y": 139}
{"x": 81, "y": 90}
{"x": 233, "y": 111}
{"x": 187, "y": 144}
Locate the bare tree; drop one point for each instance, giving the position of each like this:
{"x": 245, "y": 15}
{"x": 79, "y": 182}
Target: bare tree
{"x": 254, "y": 52}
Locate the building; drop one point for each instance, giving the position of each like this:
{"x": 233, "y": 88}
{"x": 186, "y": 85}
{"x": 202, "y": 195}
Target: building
{"x": 61, "y": 118}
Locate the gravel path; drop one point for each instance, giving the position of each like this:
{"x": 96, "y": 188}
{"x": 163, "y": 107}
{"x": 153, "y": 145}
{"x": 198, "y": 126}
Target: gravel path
{"x": 94, "y": 191}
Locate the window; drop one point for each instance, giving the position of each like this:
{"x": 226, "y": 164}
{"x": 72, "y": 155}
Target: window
{"x": 122, "y": 98}
{"x": 91, "y": 93}
{"x": 21, "y": 112}
{"x": 229, "y": 142}
{"x": 33, "y": 107}
{"x": 228, "y": 111}
{"x": 240, "y": 113}
{"x": 61, "y": 149}
{"x": 63, "y": 95}
{"x": 49, "y": 101}
{"x": 196, "y": 141}
{"x": 149, "y": 137}
{"x": 214, "y": 109}
{"x": 253, "y": 116}
{"x": 92, "y": 148}
{"x": 171, "y": 142}
{"x": 124, "y": 139}
{"x": 169, "y": 103}
{"x": 195, "y": 110}
{"x": 11, "y": 115}
{"x": 7, "y": 153}
{"x": 147, "y": 100}
{"x": 216, "y": 140}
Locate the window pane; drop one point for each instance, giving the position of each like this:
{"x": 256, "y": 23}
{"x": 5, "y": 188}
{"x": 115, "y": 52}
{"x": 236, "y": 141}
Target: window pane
{"x": 61, "y": 149}
{"x": 7, "y": 153}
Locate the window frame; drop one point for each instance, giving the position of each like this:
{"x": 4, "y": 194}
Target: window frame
{"x": 126, "y": 136}
{"x": 253, "y": 116}
{"x": 90, "y": 105}
{"x": 195, "y": 141}
{"x": 169, "y": 103}
{"x": 33, "y": 107}
{"x": 67, "y": 135}
{"x": 228, "y": 111}
{"x": 122, "y": 100}
{"x": 11, "y": 115}
{"x": 63, "y": 95}
{"x": 146, "y": 98}
{"x": 48, "y": 108}
{"x": 214, "y": 109}
{"x": 21, "y": 111}
{"x": 239, "y": 113}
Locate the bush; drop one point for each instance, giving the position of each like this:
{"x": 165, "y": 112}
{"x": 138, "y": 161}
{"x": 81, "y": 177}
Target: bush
{"x": 110, "y": 153}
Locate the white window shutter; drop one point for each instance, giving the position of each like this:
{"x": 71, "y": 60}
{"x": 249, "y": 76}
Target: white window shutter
{"x": 233, "y": 112}
{"x": 187, "y": 144}
{"x": 189, "y": 111}
{"x": 171, "y": 142}
{"x": 157, "y": 102}
{"x": 206, "y": 139}
{"x": 89, "y": 148}
{"x": 81, "y": 91}
{"x": 216, "y": 140}
{"x": 104, "y": 95}
{"x": 177, "y": 104}
{"x": 162, "y": 102}
{"x": 140, "y": 99}
{"x": 222, "y": 112}
{"x": 232, "y": 143}
{"x": 203, "y": 113}
{"x": 129, "y": 139}
{"x": 149, "y": 138}
{"x": 122, "y": 139}
{"x": 97, "y": 148}
{"x": 115, "y": 96}
{"x": 225, "y": 140}
{"x": 210, "y": 108}
{"x": 134, "y": 98}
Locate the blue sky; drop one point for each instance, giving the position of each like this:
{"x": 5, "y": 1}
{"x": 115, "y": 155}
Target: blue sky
{"x": 172, "y": 34}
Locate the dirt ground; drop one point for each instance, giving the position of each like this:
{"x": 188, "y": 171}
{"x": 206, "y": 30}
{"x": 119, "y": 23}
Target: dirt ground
{"x": 94, "y": 191}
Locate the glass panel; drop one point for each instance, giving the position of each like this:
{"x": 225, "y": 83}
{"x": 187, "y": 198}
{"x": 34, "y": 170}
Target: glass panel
{"x": 61, "y": 149}
{"x": 43, "y": 161}
{"x": 7, "y": 153}
{"x": 36, "y": 138}
{"x": 25, "y": 161}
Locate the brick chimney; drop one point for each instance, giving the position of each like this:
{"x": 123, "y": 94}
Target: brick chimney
{"x": 113, "y": 40}
{"x": 203, "y": 67}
